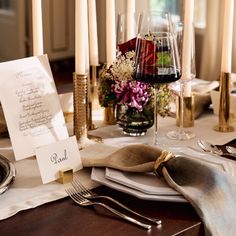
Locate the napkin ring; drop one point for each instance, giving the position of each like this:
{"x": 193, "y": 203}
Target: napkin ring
{"x": 159, "y": 163}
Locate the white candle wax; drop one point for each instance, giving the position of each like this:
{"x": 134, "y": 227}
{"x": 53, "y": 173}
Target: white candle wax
{"x": 187, "y": 45}
{"x": 37, "y": 25}
{"x": 226, "y": 61}
{"x": 87, "y": 45}
{"x": 80, "y": 37}
{"x": 93, "y": 38}
{"x": 110, "y": 31}
{"x": 130, "y": 10}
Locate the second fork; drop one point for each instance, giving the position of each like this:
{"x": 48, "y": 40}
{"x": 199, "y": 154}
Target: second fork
{"x": 92, "y": 195}
{"x": 80, "y": 200}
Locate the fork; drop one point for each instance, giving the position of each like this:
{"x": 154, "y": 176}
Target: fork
{"x": 92, "y": 195}
{"x": 80, "y": 200}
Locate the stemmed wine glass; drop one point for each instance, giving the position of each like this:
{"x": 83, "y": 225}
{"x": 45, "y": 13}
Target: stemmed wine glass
{"x": 184, "y": 84}
{"x": 157, "y": 61}
{"x": 127, "y": 27}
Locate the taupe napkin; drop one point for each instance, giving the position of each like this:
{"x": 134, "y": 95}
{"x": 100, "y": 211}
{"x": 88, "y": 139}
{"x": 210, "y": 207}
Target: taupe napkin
{"x": 207, "y": 188}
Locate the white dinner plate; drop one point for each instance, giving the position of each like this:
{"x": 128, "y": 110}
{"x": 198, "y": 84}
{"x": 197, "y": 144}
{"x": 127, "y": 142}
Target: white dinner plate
{"x": 227, "y": 165}
{"x": 144, "y": 182}
{"x": 98, "y": 175}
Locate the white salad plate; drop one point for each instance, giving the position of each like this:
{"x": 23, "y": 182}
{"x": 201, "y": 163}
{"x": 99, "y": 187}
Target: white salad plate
{"x": 144, "y": 182}
{"x": 98, "y": 175}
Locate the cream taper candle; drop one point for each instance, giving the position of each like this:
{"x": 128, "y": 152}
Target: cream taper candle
{"x": 110, "y": 31}
{"x": 37, "y": 24}
{"x": 187, "y": 45}
{"x": 93, "y": 37}
{"x": 80, "y": 38}
{"x": 226, "y": 61}
{"x": 130, "y": 10}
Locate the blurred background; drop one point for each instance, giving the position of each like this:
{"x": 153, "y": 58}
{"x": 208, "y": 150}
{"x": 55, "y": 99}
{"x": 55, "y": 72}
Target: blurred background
{"x": 59, "y": 33}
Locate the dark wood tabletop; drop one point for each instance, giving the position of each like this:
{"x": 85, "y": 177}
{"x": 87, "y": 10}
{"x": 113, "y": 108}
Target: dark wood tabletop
{"x": 64, "y": 217}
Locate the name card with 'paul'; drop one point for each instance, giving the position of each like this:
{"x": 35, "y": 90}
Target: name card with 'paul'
{"x": 58, "y": 156}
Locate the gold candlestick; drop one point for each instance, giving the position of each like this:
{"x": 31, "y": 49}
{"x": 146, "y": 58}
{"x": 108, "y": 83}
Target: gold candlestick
{"x": 81, "y": 106}
{"x": 92, "y": 97}
{"x": 89, "y": 104}
{"x": 80, "y": 101}
{"x": 224, "y": 105}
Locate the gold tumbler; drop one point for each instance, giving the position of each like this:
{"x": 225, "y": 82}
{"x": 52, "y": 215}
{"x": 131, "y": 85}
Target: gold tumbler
{"x": 109, "y": 115}
{"x": 224, "y": 105}
{"x": 188, "y": 111}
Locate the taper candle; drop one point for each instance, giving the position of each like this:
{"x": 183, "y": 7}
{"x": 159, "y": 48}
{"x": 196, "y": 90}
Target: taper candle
{"x": 110, "y": 31}
{"x": 187, "y": 45}
{"x": 80, "y": 38}
{"x": 37, "y": 25}
{"x": 226, "y": 61}
{"x": 93, "y": 37}
{"x": 130, "y": 10}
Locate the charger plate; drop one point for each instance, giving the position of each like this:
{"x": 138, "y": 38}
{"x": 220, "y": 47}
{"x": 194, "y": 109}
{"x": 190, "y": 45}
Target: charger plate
{"x": 98, "y": 175}
{"x": 7, "y": 174}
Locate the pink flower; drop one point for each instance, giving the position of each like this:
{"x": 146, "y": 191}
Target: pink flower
{"x": 133, "y": 93}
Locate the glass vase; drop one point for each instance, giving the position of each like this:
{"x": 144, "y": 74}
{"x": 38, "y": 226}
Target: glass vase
{"x": 134, "y": 122}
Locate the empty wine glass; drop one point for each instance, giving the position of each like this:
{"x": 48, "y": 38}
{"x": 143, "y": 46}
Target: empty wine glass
{"x": 184, "y": 84}
{"x": 127, "y": 27}
{"x": 157, "y": 61}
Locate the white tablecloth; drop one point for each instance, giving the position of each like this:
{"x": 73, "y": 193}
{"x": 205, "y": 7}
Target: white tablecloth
{"x": 28, "y": 191}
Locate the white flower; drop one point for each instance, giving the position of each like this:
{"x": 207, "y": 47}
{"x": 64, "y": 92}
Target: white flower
{"x": 123, "y": 67}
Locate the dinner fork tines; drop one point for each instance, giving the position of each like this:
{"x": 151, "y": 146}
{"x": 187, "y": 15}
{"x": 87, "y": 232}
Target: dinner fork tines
{"x": 92, "y": 195}
{"x": 80, "y": 200}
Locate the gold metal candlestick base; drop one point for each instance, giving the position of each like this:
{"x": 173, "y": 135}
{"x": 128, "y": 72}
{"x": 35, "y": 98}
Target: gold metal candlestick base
{"x": 93, "y": 98}
{"x": 80, "y": 99}
{"x": 91, "y": 126}
{"x": 224, "y": 105}
{"x": 188, "y": 112}
{"x": 80, "y": 90}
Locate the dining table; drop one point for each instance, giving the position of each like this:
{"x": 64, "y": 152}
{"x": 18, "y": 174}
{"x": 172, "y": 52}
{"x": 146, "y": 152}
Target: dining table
{"x": 31, "y": 208}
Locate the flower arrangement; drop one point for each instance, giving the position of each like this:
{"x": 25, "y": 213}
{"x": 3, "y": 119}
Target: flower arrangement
{"x": 118, "y": 86}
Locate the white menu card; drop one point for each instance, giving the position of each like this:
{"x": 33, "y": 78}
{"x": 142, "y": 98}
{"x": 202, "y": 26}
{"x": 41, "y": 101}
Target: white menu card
{"x": 31, "y": 105}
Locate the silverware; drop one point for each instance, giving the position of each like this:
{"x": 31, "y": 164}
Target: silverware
{"x": 231, "y": 150}
{"x": 80, "y": 200}
{"x": 92, "y": 195}
{"x": 211, "y": 148}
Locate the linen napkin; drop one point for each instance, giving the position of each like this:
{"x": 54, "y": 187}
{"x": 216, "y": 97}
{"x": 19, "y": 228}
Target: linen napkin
{"x": 208, "y": 189}
{"x": 201, "y": 90}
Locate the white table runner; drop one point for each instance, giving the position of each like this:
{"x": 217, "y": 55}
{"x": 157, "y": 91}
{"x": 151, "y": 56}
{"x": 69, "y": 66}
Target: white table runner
{"x": 29, "y": 192}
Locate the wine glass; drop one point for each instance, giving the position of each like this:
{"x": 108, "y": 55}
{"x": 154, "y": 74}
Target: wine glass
{"x": 184, "y": 85}
{"x": 127, "y": 27}
{"x": 157, "y": 61}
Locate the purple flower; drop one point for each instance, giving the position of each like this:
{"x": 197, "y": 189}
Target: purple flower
{"x": 133, "y": 93}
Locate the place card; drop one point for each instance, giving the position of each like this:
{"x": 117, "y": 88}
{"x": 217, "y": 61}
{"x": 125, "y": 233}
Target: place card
{"x": 31, "y": 105}
{"x": 54, "y": 157}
